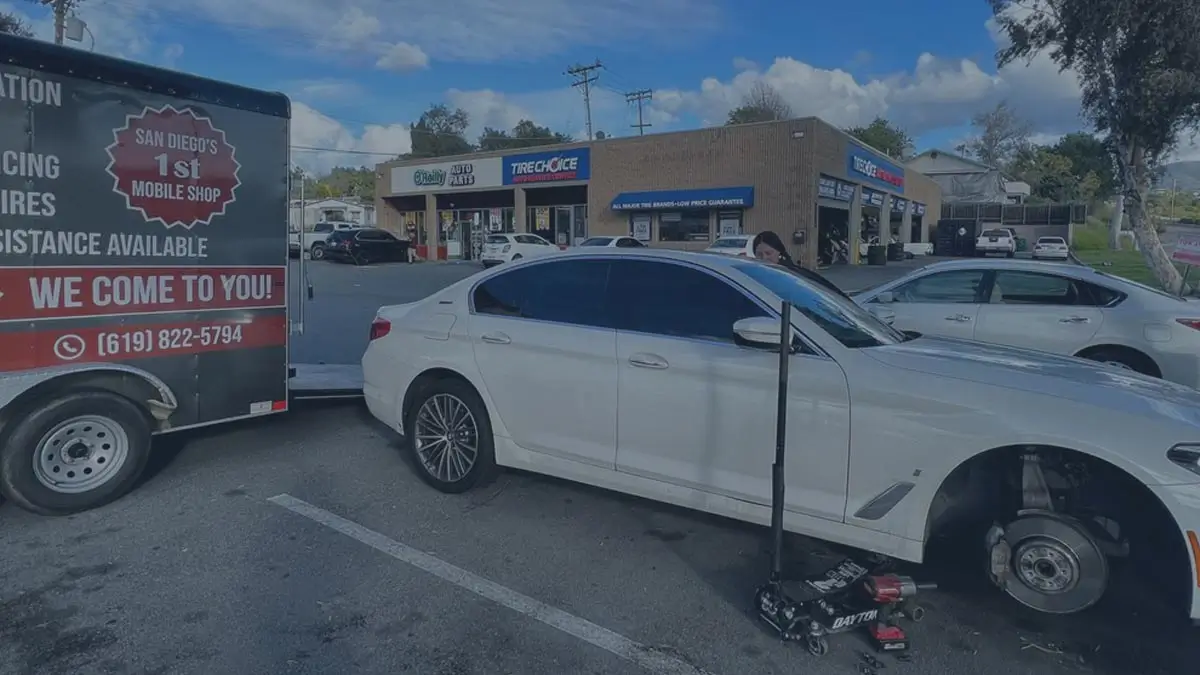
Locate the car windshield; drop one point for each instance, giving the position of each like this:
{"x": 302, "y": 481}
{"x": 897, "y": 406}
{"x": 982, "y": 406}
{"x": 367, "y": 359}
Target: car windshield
{"x": 841, "y": 317}
{"x": 730, "y": 242}
{"x": 596, "y": 241}
{"x": 340, "y": 235}
{"x": 497, "y": 239}
{"x": 994, "y": 233}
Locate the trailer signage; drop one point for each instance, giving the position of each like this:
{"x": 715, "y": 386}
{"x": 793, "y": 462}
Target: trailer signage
{"x": 173, "y": 166}
{"x": 28, "y": 293}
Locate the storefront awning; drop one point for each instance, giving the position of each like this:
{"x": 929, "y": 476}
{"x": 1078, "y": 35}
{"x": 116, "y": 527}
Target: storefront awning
{"x": 715, "y": 198}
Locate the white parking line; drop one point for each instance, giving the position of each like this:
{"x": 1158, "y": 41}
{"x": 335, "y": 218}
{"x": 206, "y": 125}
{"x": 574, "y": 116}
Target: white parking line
{"x": 647, "y": 657}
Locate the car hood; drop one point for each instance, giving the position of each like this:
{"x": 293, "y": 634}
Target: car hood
{"x": 1046, "y": 374}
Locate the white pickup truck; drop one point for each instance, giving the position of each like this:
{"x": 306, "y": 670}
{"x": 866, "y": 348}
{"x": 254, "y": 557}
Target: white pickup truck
{"x": 313, "y": 242}
{"x": 996, "y": 240}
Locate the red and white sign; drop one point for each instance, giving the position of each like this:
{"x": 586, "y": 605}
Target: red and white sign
{"x": 31, "y": 293}
{"x": 1187, "y": 250}
{"x": 173, "y": 166}
{"x": 26, "y": 350}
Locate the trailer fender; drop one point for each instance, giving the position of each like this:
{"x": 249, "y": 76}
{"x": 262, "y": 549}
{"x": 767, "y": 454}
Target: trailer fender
{"x": 18, "y": 389}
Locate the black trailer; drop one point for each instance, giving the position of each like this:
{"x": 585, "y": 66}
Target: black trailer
{"x": 144, "y": 275}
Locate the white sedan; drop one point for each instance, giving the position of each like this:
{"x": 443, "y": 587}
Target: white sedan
{"x": 531, "y": 366}
{"x": 501, "y": 248}
{"x": 741, "y": 245}
{"x": 612, "y": 242}
{"x": 1051, "y": 248}
{"x": 1061, "y": 308}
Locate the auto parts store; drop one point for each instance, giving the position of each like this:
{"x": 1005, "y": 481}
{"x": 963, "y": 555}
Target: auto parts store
{"x": 805, "y": 179}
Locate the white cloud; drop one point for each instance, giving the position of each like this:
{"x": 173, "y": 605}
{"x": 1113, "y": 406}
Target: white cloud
{"x": 323, "y": 89}
{"x": 171, "y": 54}
{"x": 741, "y": 63}
{"x": 936, "y": 93}
{"x": 402, "y": 57}
{"x": 560, "y": 109}
{"x": 341, "y": 147}
{"x": 117, "y": 30}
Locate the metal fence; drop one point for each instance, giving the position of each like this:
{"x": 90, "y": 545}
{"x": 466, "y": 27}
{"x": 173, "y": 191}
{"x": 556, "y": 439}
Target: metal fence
{"x": 1018, "y": 214}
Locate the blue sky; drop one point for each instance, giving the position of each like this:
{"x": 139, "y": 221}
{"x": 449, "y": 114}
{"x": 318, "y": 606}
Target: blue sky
{"x": 360, "y": 71}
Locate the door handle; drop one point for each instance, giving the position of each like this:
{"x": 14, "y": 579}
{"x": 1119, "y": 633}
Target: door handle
{"x": 648, "y": 361}
{"x": 961, "y": 318}
{"x": 1075, "y": 319}
{"x": 495, "y": 338}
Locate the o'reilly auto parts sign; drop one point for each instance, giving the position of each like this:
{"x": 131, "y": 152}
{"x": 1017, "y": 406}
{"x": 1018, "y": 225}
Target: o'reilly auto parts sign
{"x": 461, "y": 176}
{"x": 548, "y": 167}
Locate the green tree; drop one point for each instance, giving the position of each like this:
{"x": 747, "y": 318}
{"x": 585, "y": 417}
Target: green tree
{"x": 881, "y": 135}
{"x": 761, "y": 104}
{"x": 440, "y": 132}
{"x": 1000, "y": 136}
{"x": 1089, "y": 156}
{"x": 524, "y": 135}
{"x": 1137, "y": 64}
{"x": 11, "y": 23}
{"x": 1050, "y": 175}
{"x": 346, "y": 181}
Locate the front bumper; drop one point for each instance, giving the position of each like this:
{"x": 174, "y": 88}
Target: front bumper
{"x": 1183, "y": 501}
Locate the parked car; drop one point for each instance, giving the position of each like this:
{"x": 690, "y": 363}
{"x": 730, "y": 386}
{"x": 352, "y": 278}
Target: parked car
{"x": 735, "y": 244}
{"x": 500, "y": 248}
{"x": 366, "y": 245}
{"x": 1055, "y": 307}
{"x": 613, "y": 242}
{"x": 531, "y": 365}
{"x": 1051, "y": 248}
{"x": 313, "y": 242}
{"x": 996, "y": 241}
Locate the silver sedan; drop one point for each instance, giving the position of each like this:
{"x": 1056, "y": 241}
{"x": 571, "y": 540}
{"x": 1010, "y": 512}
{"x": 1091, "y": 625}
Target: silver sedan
{"x": 1053, "y": 307}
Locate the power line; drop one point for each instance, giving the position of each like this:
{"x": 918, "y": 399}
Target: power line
{"x": 584, "y": 79}
{"x": 640, "y": 96}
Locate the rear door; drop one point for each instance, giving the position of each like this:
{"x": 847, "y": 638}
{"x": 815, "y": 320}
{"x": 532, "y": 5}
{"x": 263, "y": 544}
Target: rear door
{"x": 1037, "y": 310}
{"x": 943, "y": 303}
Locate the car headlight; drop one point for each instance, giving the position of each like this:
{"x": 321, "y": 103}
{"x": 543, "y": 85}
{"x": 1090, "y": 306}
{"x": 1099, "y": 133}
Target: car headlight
{"x": 506, "y": 247}
{"x": 1186, "y": 455}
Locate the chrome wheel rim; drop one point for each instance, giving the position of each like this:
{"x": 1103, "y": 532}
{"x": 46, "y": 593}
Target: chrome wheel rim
{"x": 446, "y": 437}
{"x": 80, "y": 454}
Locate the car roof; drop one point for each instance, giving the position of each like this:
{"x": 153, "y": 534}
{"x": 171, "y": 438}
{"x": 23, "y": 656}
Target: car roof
{"x": 664, "y": 254}
{"x": 1011, "y": 264}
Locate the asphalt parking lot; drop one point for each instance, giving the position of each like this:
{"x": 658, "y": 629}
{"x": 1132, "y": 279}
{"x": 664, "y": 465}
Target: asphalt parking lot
{"x": 305, "y": 544}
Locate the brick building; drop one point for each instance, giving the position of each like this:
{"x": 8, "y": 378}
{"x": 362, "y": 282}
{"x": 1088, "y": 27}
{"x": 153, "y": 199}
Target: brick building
{"x": 802, "y": 178}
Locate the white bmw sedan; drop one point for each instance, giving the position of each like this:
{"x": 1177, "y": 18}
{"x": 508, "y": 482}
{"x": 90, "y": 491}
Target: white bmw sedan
{"x": 1054, "y": 307}
{"x": 653, "y": 373}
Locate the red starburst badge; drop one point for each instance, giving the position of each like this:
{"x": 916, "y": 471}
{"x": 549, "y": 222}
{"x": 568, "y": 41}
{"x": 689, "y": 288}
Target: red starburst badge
{"x": 173, "y": 166}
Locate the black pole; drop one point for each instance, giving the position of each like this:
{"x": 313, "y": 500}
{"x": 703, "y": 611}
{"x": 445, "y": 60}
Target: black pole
{"x": 777, "y": 478}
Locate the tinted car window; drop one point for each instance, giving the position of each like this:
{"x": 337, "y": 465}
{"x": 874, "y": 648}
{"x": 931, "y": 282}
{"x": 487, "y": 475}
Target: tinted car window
{"x": 596, "y": 241}
{"x": 497, "y": 239}
{"x": 1033, "y": 288}
{"x": 570, "y": 292}
{"x": 959, "y": 286}
{"x": 341, "y": 235}
{"x": 663, "y": 298}
{"x": 372, "y": 235}
{"x": 626, "y": 242}
{"x": 323, "y": 227}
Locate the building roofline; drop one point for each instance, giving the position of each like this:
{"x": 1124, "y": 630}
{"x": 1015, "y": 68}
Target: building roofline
{"x": 932, "y": 151}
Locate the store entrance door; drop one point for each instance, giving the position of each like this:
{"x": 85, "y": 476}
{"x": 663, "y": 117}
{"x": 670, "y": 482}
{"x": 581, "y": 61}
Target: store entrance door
{"x": 562, "y": 225}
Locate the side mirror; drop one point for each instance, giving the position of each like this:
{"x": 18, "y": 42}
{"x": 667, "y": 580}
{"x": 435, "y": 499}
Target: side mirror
{"x": 884, "y": 314}
{"x": 885, "y": 298}
{"x": 759, "y": 330}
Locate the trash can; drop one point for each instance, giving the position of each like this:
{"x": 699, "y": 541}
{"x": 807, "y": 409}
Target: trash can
{"x": 877, "y": 254}
{"x": 895, "y": 251}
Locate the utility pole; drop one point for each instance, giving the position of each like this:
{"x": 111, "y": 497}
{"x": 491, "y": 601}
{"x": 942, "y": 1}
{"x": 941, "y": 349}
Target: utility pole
{"x": 584, "y": 78}
{"x": 60, "y": 17}
{"x": 640, "y": 97}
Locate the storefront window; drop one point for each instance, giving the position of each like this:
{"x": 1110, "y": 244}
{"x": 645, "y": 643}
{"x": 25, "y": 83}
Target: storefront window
{"x": 580, "y": 223}
{"x": 678, "y": 226}
{"x": 729, "y": 223}
{"x": 414, "y": 226}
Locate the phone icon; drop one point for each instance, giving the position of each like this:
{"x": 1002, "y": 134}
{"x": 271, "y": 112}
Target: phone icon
{"x": 69, "y": 347}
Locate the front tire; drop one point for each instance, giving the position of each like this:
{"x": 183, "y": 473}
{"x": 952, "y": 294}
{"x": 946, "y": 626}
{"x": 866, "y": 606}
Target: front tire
{"x": 449, "y": 434}
{"x": 75, "y": 453}
{"x": 317, "y": 252}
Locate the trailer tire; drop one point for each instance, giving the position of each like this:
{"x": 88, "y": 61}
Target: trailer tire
{"x": 105, "y": 473}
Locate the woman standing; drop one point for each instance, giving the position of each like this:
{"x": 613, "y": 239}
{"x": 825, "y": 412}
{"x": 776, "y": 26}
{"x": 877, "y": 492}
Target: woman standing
{"x": 768, "y": 247}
